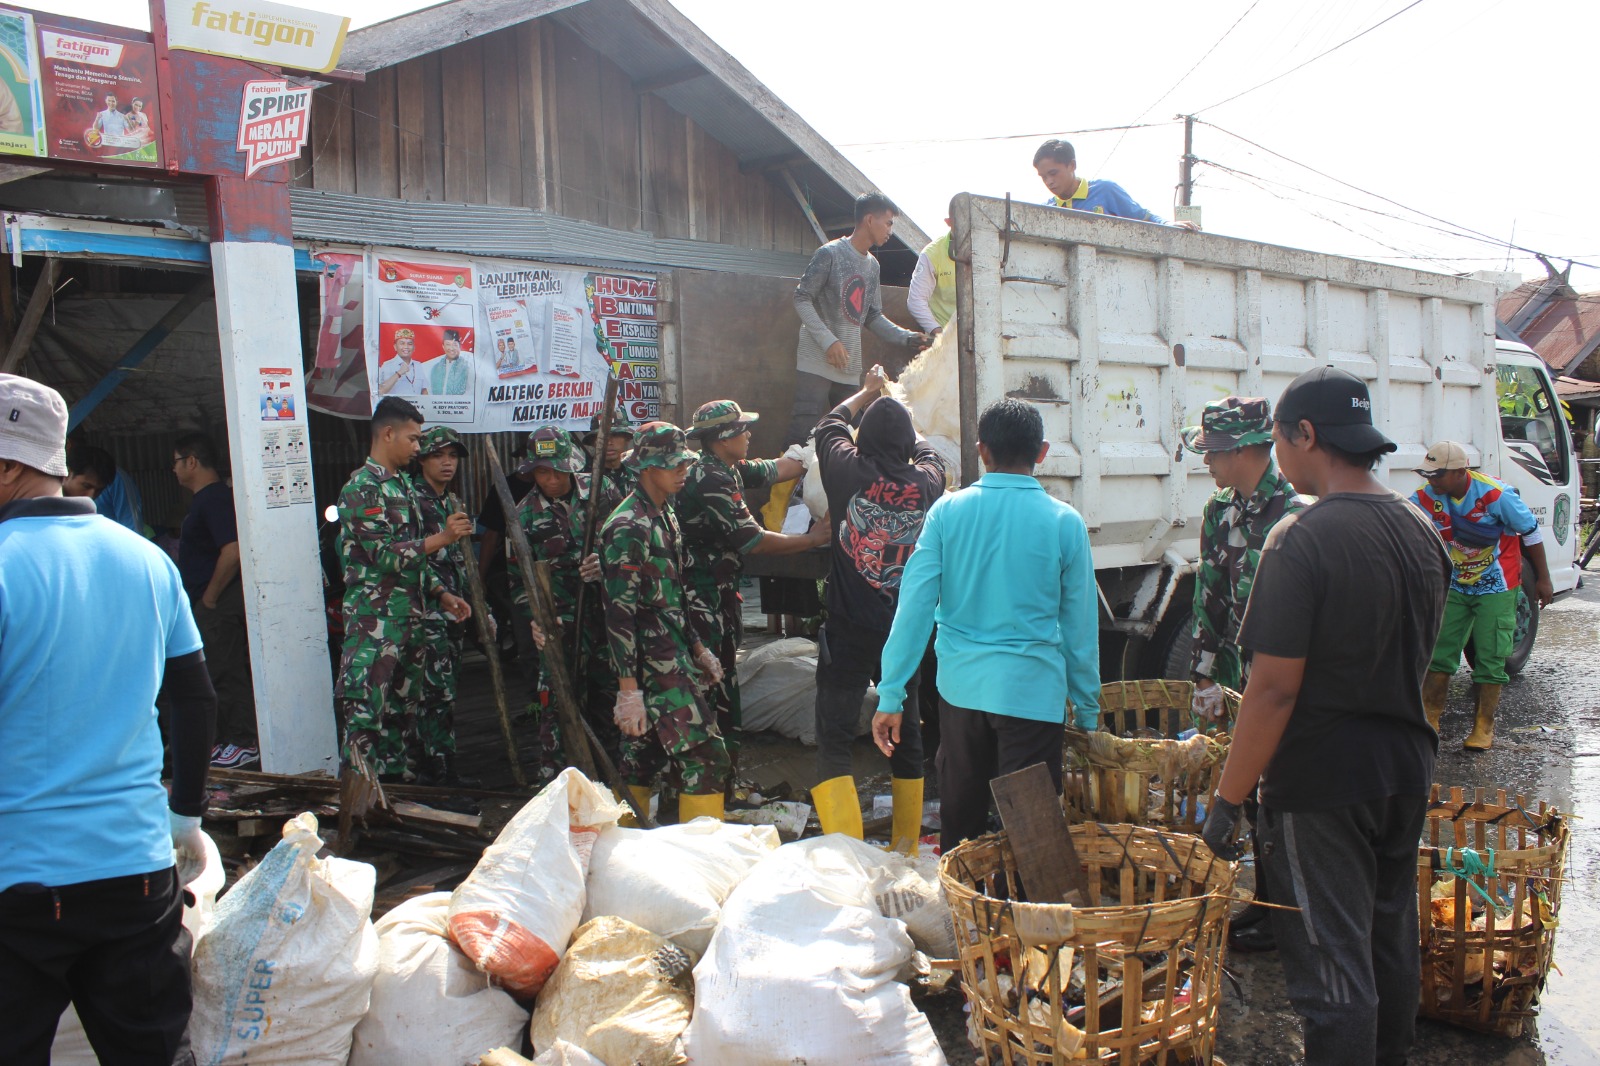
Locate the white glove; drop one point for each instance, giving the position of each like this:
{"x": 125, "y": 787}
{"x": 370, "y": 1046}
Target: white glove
{"x": 589, "y": 569}
{"x": 188, "y": 845}
{"x": 538, "y": 635}
{"x": 708, "y": 662}
{"x": 629, "y": 713}
{"x": 797, "y": 452}
{"x": 1208, "y": 703}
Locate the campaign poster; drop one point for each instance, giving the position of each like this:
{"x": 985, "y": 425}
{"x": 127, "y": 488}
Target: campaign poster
{"x": 99, "y": 97}
{"x": 21, "y": 111}
{"x": 422, "y": 335}
{"x": 536, "y": 342}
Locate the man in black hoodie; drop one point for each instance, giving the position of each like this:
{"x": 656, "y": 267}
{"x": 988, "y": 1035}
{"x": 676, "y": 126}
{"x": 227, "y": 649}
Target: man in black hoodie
{"x": 880, "y": 486}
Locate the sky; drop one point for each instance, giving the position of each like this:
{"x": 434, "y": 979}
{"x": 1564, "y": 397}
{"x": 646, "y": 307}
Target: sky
{"x": 1440, "y": 139}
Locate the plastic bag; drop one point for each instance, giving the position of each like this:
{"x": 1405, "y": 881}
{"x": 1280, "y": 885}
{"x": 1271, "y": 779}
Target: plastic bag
{"x": 286, "y": 970}
{"x": 674, "y": 880}
{"x": 71, "y": 1046}
{"x": 430, "y": 1005}
{"x": 778, "y": 691}
{"x": 621, "y": 994}
{"x": 802, "y": 969}
{"x": 515, "y": 912}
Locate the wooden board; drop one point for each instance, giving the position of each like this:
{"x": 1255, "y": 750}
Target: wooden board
{"x": 535, "y": 124}
{"x": 502, "y": 123}
{"x": 376, "y": 141}
{"x": 619, "y": 124}
{"x": 333, "y": 154}
{"x": 668, "y": 153}
{"x": 1036, "y": 825}
{"x": 461, "y": 87}
{"x": 432, "y": 129}
{"x": 411, "y": 148}
{"x": 578, "y": 123}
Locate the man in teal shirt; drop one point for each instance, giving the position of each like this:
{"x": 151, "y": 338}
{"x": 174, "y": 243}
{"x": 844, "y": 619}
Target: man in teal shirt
{"x": 1005, "y": 570}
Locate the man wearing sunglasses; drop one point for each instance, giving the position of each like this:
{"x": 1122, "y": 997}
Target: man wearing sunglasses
{"x": 1481, "y": 519}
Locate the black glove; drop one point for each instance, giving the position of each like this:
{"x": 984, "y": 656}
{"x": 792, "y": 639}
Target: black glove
{"x": 1222, "y": 825}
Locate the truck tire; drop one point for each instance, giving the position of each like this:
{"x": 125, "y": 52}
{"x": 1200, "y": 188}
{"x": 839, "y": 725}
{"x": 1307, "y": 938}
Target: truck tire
{"x": 1168, "y": 654}
{"x": 1527, "y": 629}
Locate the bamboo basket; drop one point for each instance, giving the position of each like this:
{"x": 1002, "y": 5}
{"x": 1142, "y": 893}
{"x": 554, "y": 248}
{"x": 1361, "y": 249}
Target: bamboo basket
{"x": 1485, "y": 970}
{"x": 1133, "y": 770}
{"x": 1044, "y": 980}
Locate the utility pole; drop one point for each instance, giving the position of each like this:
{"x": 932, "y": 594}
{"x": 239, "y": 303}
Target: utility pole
{"x": 1186, "y": 211}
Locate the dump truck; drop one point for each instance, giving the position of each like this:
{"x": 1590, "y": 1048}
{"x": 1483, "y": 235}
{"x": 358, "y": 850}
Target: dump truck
{"x": 1121, "y": 332}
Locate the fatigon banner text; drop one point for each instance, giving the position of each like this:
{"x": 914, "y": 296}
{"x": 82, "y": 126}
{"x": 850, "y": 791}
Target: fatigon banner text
{"x": 258, "y": 31}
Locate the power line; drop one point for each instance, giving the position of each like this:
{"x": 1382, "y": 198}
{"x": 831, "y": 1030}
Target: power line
{"x": 1455, "y": 227}
{"x": 1313, "y": 59}
{"x": 1185, "y": 77}
{"x": 1001, "y": 137}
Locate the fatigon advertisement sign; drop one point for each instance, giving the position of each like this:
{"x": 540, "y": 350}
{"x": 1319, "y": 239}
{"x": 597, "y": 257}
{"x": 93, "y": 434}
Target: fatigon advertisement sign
{"x": 274, "y": 121}
{"x": 257, "y": 31}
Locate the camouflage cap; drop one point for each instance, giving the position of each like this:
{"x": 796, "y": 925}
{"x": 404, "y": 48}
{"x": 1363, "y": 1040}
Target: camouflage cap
{"x": 439, "y": 438}
{"x": 551, "y": 448}
{"x": 1229, "y": 423}
{"x": 720, "y": 419}
{"x": 621, "y": 426}
{"x": 660, "y": 444}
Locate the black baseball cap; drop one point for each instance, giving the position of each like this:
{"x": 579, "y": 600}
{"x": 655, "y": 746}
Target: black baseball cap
{"x": 1338, "y": 404}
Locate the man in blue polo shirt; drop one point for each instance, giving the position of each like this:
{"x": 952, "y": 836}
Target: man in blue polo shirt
{"x": 1005, "y": 569}
{"x": 91, "y": 898}
{"x": 1056, "y": 163}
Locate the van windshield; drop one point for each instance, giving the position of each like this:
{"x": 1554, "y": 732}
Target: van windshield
{"x": 1529, "y": 413}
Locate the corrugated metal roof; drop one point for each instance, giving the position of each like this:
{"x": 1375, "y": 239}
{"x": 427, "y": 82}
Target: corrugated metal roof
{"x": 1564, "y": 331}
{"x": 517, "y": 233}
{"x": 648, "y": 39}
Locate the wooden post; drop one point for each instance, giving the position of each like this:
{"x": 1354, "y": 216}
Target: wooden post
{"x": 544, "y": 612}
{"x": 491, "y": 651}
{"x": 591, "y": 521}
{"x": 42, "y": 291}
{"x": 258, "y": 328}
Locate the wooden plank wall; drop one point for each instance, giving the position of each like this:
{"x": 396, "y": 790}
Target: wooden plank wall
{"x": 532, "y": 117}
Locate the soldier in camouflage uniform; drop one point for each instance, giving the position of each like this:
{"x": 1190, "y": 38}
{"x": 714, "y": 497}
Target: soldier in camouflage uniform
{"x": 610, "y": 456}
{"x": 656, "y": 628}
{"x": 389, "y": 588}
{"x": 1235, "y": 439}
{"x": 719, "y": 531}
{"x": 553, "y": 517}
{"x": 441, "y": 638}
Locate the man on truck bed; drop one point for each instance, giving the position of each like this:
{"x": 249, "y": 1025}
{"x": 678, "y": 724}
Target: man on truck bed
{"x": 1235, "y": 438}
{"x": 1341, "y": 621}
{"x": 1480, "y": 518}
{"x": 836, "y": 297}
{"x": 1056, "y": 163}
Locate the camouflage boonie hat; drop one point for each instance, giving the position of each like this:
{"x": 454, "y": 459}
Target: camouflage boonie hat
{"x": 1233, "y": 422}
{"x": 550, "y": 448}
{"x": 620, "y": 426}
{"x": 660, "y": 444}
{"x": 437, "y": 439}
{"x": 720, "y": 419}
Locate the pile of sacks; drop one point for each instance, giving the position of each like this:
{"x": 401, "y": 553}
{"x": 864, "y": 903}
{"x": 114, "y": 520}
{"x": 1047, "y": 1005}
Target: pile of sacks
{"x": 702, "y": 942}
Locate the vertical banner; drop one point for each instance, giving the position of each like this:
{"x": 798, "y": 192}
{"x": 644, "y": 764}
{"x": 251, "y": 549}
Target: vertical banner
{"x": 337, "y": 383}
{"x": 100, "y": 97}
{"x": 494, "y": 345}
{"x": 21, "y": 108}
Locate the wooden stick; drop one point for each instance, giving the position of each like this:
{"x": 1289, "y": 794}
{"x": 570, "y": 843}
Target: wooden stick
{"x": 591, "y": 522}
{"x": 43, "y": 290}
{"x": 491, "y": 650}
{"x": 544, "y": 612}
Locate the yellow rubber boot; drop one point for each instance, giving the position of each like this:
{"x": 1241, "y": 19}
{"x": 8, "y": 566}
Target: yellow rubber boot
{"x": 838, "y": 807}
{"x": 1435, "y": 688}
{"x": 1482, "y": 737}
{"x": 905, "y": 829}
{"x": 693, "y": 805}
{"x": 641, "y": 795}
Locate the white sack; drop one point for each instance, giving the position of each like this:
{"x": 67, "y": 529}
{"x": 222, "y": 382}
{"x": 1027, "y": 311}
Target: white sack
{"x": 565, "y": 1054}
{"x": 802, "y": 969}
{"x": 673, "y": 881}
{"x": 430, "y": 1005}
{"x": 285, "y": 972}
{"x": 515, "y": 912}
{"x": 778, "y": 691}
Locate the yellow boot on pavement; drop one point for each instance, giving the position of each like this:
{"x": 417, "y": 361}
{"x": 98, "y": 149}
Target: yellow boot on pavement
{"x": 838, "y": 806}
{"x": 905, "y": 831}
{"x": 641, "y": 795}
{"x": 1435, "y": 689}
{"x": 1482, "y": 737}
{"x": 699, "y": 805}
